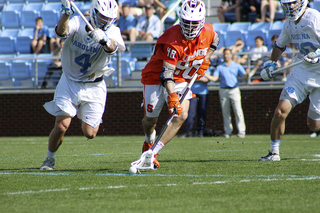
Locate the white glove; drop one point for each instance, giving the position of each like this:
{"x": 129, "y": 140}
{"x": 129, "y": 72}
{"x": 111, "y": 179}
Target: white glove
{"x": 98, "y": 36}
{"x": 66, "y": 8}
{"x": 268, "y": 68}
{"x": 310, "y": 59}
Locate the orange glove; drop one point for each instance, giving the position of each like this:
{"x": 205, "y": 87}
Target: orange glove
{"x": 174, "y": 104}
{"x": 203, "y": 68}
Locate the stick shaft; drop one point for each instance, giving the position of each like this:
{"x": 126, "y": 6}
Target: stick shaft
{"x": 291, "y": 65}
{"x": 81, "y": 15}
{"x": 172, "y": 115}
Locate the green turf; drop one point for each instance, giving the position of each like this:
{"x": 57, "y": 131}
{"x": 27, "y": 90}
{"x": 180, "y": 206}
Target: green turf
{"x": 196, "y": 175}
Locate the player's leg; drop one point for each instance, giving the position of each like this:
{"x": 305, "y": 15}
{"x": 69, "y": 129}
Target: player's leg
{"x": 226, "y": 111}
{"x": 153, "y": 101}
{"x": 55, "y": 140}
{"x": 313, "y": 119}
{"x": 176, "y": 123}
{"x": 190, "y": 120}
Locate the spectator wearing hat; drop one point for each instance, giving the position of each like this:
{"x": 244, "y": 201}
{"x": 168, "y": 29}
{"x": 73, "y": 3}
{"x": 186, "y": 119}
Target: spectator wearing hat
{"x": 148, "y": 27}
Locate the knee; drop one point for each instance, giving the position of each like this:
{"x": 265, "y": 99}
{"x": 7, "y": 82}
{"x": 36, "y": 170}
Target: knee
{"x": 61, "y": 127}
{"x": 90, "y": 135}
{"x": 149, "y": 122}
{"x": 279, "y": 114}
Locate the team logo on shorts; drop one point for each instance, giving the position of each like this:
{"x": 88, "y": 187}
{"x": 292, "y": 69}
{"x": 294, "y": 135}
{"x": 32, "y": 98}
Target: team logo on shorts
{"x": 290, "y": 89}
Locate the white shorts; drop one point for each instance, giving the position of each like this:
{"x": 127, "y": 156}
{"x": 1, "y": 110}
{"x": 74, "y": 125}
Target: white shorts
{"x": 154, "y": 97}
{"x": 297, "y": 88}
{"x": 86, "y": 100}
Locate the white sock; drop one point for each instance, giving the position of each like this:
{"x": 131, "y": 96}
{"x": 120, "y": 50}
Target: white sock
{"x": 151, "y": 138}
{"x": 51, "y": 154}
{"x": 275, "y": 146}
{"x": 158, "y": 147}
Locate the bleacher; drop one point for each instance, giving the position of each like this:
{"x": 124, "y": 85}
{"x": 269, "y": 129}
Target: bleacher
{"x": 18, "y": 19}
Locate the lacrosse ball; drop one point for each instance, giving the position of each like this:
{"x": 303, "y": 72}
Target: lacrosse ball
{"x": 132, "y": 170}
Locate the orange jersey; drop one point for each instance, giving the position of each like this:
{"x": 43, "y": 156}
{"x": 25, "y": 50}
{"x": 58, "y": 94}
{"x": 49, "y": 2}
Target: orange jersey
{"x": 185, "y": 55}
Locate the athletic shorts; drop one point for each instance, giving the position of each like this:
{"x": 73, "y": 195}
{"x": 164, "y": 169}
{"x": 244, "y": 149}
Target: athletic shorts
{"x": 86, "y": 100}
{"x": 297, "y": 88}
{"x": 154, "y": 97}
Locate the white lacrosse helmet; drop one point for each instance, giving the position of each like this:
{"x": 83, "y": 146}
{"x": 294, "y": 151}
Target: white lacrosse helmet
{"x": 295, "y": 11}
{"x": 103, "y": 13}
{"x": 192, "y": 15}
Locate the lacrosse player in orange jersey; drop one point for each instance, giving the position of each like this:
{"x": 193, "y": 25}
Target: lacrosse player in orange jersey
{"x": 179, "y": 53}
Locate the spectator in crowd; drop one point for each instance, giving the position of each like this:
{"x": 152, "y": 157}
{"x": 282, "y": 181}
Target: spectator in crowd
{"x": 238, "y": 47}
{"x": 126, "y": 23}
{"x": 251, "y": 6}
{"x": 229, "y": 92}
{"x": 304, "y": 81}
{"x": 40, "y": 37}
{"x": 163, "y": 6}
{"x": 136, "y": 6}
{"x": 198, "y": 105}
{"x": 168, "y": 72}
{"x": 229, "y": 6}
{"x": 81, "y": 90}
{"x": 148, "y": 27}
{"x": 257, "y": 58}
{"x": 55, "y": 65}
{"x": 269, "y": 5}
{"x": 54, "y": 43}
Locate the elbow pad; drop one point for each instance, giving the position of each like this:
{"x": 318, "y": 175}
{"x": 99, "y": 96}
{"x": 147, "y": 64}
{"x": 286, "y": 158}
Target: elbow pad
{"x": 215, "y": 42}
{"x": 166, "y": 75}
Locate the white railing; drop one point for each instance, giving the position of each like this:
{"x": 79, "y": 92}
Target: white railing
{"x": 120, "y": 79}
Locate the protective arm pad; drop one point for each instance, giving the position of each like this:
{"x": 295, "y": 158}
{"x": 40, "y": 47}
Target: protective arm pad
{"x": 166, "y": 75}
{"x": 215, "y": 42}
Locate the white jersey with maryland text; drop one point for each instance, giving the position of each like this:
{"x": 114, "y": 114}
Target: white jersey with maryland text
{"x": 305, "y": 36}
{"x": 81, "y": 56}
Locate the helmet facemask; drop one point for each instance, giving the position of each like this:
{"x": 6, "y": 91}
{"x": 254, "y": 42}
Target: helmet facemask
{"x": 103, "y": 13}
{"x": 192, "y": 17}
{"x": 294, "y": 11}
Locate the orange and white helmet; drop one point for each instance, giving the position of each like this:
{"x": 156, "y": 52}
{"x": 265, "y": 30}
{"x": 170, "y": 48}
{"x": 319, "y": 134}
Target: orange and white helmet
{"x": 192, "y": 16}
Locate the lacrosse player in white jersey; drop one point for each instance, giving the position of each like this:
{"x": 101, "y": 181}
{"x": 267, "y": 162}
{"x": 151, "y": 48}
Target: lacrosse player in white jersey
{"x": 302, "y": 28}
{"x": 85, "y": 56}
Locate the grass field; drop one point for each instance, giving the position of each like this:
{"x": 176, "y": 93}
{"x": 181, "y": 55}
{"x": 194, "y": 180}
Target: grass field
{"x": 196, "y": 175}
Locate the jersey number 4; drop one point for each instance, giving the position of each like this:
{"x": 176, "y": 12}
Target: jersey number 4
{"x": 83, "y": 61}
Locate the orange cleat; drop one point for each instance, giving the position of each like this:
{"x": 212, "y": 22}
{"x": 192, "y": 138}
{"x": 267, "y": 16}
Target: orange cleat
{"x": 146, "y": 146}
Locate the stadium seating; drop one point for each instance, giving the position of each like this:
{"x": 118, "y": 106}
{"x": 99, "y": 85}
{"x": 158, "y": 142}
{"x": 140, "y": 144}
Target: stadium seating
{"x": 275, "y": 29}
{"x": 51, "y": 13}
{"x": 24, "y": 40}
{"x": 30, "y": 13}
{"x": 20, "y": 74}
{"x": 85, "y": 7}
{"x": 258, "y": 29}
{"x": 237, "y": 30}
{"x": 10, "y": 17}
{"x": 8, "y": 41}
{"x": 221, "y": 29}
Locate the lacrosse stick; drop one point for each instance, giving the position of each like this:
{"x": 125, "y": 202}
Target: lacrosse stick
{"x": 291, "y": 65}
{"x": 146, "y": 159}
{"x": 81, "y": 15}
{"x": 209, "y": 53}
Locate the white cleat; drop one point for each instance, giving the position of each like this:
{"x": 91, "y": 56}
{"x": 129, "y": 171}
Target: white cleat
{"x": 270, "y": 157}
{"x": 145, "y": 161}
